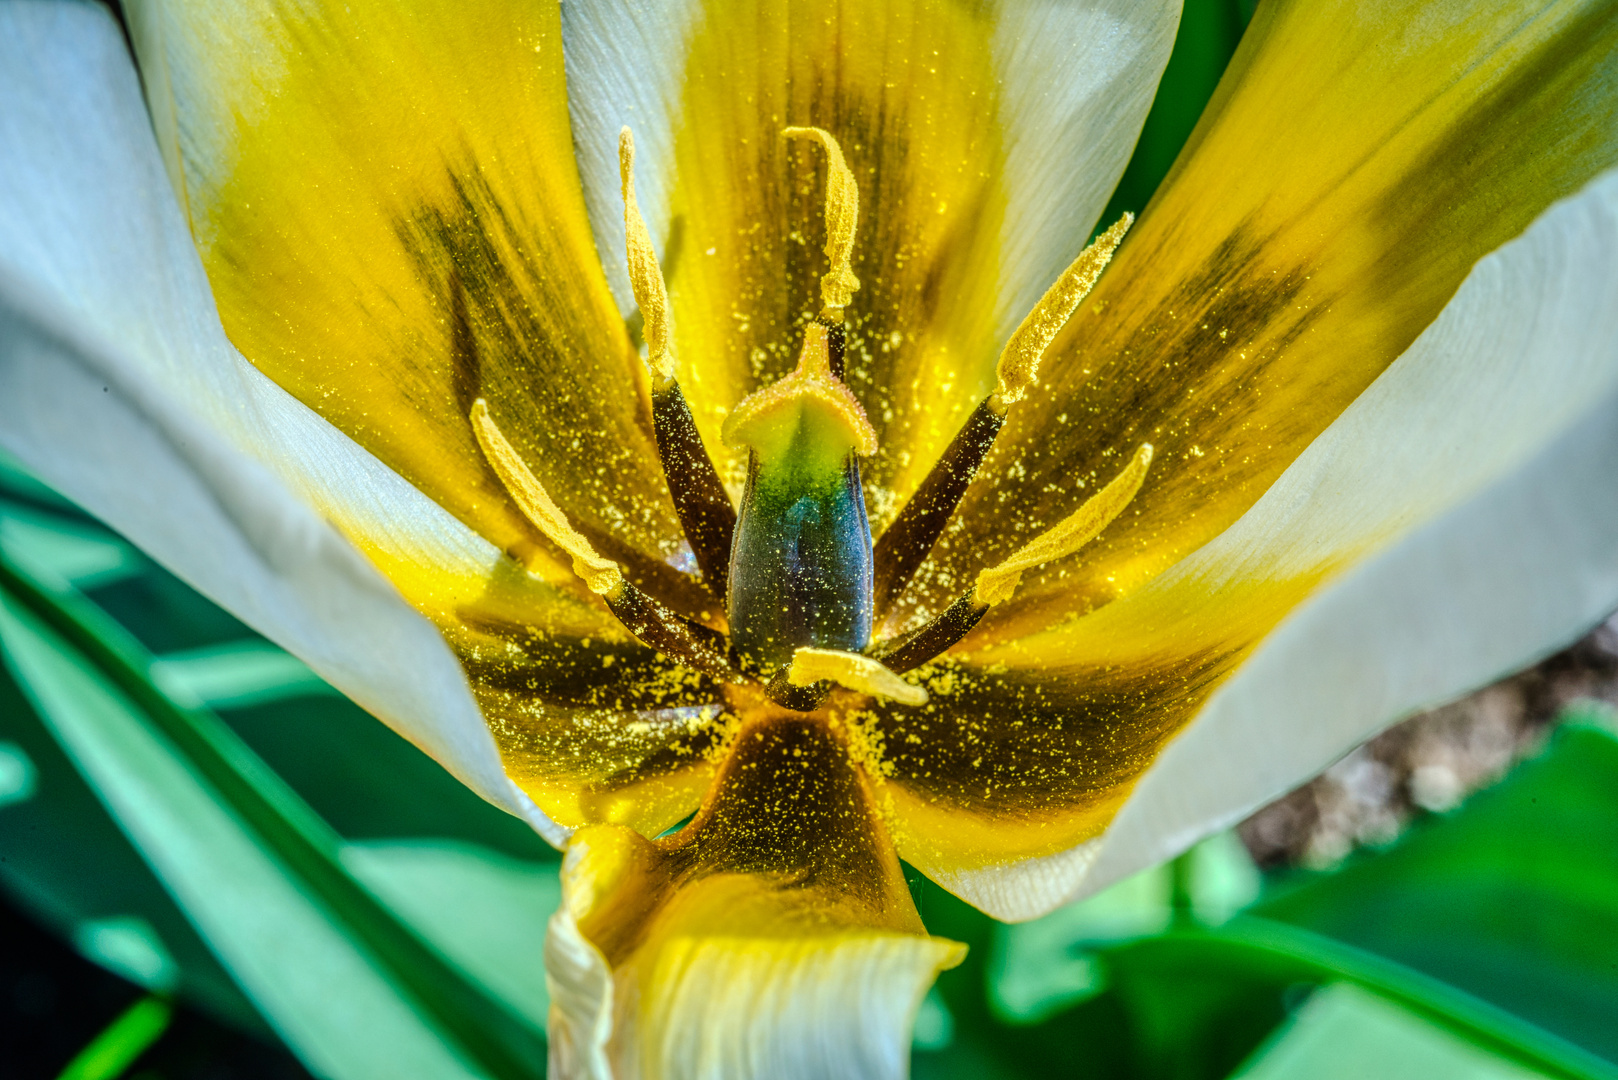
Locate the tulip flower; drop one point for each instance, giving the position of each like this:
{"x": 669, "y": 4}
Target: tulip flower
{"x": 718, "y": 411}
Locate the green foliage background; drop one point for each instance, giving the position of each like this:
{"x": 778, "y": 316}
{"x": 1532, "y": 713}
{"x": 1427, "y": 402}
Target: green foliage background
{"x": 195, "y": 810}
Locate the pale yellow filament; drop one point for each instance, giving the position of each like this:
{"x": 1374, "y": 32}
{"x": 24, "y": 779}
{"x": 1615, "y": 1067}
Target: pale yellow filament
{"x": 600, "y": 574}
{"x": 842, "y": 217}
{"x": 1019, "y": 362}
{"x": 996, "y": 584}
{"x": 856, "y": 672}
{"x": 645, "y": 275}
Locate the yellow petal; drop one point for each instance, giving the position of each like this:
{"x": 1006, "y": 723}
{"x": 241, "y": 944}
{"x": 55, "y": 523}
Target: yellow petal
{"x": 774, "y": 936}
{"x": 1355, "y": 163}
{"x": 387, "y": 206}
{"x": 952, "y": 121}
{"x": 1440, "y": 532}
{"x": 388, "y": 211}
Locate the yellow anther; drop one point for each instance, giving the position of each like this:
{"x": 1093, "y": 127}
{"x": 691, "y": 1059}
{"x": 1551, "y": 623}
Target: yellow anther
{"x": 859, "y": 673}
{"x": 645, "y": 276}
{"x": 600, "y": 574}
{"x": 1019, "y": 362}
{"x": 842, "y": 217}
{"x": 811, "y": 395}
{"x": 996, "y": 584}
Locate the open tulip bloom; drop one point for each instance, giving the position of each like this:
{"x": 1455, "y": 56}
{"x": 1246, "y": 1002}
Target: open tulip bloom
{"x": 708, "y": 429}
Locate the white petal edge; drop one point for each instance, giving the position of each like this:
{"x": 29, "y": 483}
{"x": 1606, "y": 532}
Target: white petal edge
{"x": 1473, "y": 488}
{"x": 119, "y": 388}
{"x": 810, "y": 1008}
{"x": 1076, "y": 79}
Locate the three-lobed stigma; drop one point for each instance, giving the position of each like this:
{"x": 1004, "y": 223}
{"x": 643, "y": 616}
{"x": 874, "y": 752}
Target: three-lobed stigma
{"x": 796, "y": 566}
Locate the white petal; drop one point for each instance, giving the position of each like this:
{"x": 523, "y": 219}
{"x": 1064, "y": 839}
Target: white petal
{"x": 1468, "y": 502}
{"x": 119, "y": 388}
{"x": 1076, "y": 80}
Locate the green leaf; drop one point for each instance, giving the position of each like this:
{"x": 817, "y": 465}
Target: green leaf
{"x": 1513, "y": 897}
{"x": 124, "y": 1040}
{"x": 354, "y": 990}
{"x": 1345, "y": 1033}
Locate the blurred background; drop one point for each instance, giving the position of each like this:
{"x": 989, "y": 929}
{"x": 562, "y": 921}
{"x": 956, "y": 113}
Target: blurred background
{"x": 1442, "y": 903}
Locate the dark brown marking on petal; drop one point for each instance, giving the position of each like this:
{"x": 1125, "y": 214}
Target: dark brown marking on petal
{"x": 1030, "y": 744}
{"x": 472, "y": 257}
{"x": 788, "y": 806}
{"x": 1177, "y": 378}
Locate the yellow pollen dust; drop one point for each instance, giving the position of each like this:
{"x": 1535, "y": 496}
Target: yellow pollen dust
{"x": 996, "y": 584}
{"x": 810, "y": 385}
{"x": 858, "y": 673}
{"x": 600, "y": 574}
{"x": 1019, "y": 362}
{"x": 645, "y": 275}
{"x": 842, "y": 217}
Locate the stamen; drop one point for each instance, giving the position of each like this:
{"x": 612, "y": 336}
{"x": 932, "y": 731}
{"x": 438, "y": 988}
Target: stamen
{"x": 655, "y": 625}
{"x": 996, "y": 584}
{"x": 842, "y": 216}
{"x": 600, "y": 574}
{"x": 1019, "y": 361}
{"x": 645, "y": 276}
{"x": 856, "y": 672}
{"x": 706, "y": 516}
{"x": 906, "y": 543}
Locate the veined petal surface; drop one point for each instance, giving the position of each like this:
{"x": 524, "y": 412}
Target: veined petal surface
{"x": 773, "y": 936}
{"x": 118, "y": 387}
{"x": 1458, "y": 521}
{"x": 985, "y": 140}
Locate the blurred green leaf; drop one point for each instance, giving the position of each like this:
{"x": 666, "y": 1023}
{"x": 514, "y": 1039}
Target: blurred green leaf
{"x": 1345, "y": 1033}
{"x": 1513, "y": 897}
{"x": 353, "y": 989}
{"x": 124, "y": 1040}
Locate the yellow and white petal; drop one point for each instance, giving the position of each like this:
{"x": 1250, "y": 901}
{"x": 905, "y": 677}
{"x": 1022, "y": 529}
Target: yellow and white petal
{"x": 1458, "y": 521}
{"x": 985, "y": 140}
{"x": 386, "y": 202}
{"x": 118, "y": 387}
{"x": 1357, "y": 160}
{"x": 774, "y": 936}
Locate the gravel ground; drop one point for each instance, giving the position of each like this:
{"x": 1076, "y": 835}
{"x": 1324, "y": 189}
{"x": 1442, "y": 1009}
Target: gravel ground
{"x": 1432, "y": 761}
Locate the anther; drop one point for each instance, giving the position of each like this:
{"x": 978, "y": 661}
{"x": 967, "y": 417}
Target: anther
{"x": 658, "y": 627}
{"x": 842, "y": 218}
{"x": 998, "y": 583}
{"x": 599, "y": 573}
{"x": 1018, "y": 367}
{"x": 904, "y": 546}
{"x": 706, "y": 515}
{"x": 854, "y": 671}
{"x": 645, "y": 276}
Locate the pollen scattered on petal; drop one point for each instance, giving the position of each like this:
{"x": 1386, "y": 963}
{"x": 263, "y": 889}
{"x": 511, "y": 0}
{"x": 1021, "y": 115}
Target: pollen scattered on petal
{"x": 645, "y": 275}
{"x": 996, "y": 584}
{"x": 842, "y": 218}
{"x": 854, "y": 671}
{"x": 600, "y": 574}
{"x": 1019, "y": 362}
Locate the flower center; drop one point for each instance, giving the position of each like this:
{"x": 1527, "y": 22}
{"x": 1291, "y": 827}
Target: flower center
{"x": 796, "y": 567}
